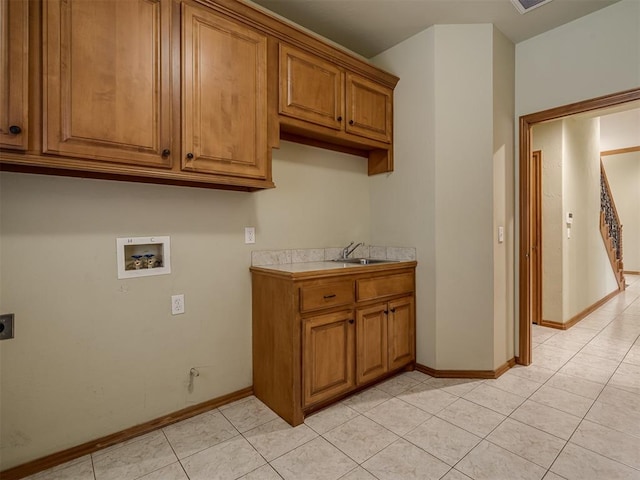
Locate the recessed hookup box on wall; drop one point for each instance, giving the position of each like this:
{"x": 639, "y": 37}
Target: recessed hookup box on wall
{"x": 143, "y": 256}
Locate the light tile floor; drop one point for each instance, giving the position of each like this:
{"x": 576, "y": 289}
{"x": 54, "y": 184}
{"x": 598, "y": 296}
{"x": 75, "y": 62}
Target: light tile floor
{"x": 573, "y": 414}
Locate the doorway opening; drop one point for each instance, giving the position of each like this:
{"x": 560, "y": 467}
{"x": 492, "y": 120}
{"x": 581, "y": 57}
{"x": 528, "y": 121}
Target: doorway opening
{"x": 529, "y": 244}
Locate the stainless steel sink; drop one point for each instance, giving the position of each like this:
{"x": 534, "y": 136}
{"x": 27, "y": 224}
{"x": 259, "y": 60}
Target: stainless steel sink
{"x": 363, "y": 261}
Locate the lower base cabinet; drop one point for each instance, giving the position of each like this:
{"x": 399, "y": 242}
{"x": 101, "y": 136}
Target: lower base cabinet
{"x": 385, "y": 338}
{"x": 372, "y": 343}
{"x": 318, "y": 336}
{"x": 328, "y": 356}
{"x": 401, "y": 332}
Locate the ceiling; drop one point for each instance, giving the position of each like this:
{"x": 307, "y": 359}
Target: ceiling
{"x": 369, "y": 27}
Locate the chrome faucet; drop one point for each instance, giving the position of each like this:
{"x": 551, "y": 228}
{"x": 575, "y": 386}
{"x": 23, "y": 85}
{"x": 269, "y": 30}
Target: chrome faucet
{"x": 346, "y": 251}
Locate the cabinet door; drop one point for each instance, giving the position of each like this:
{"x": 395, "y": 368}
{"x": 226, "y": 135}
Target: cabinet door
{"x": 371, "y": 343}
{"x": 14, "y": 61}
{"x": 106, "y": 80}
{"x": 369, "y": 108}
{"x": 224, "y": 96}
{"x": 328, "y": 352}
{"x": 311, "y": 89}
{"x": 401, "y": 332}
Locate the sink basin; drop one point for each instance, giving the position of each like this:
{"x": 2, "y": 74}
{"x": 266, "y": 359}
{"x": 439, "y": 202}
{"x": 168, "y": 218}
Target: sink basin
{"x": 363, "y": 261}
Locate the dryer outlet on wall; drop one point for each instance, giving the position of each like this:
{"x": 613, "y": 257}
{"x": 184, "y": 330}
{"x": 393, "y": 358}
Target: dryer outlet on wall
{"x": 6, "y": 326}
{"x": 177, "y": 304}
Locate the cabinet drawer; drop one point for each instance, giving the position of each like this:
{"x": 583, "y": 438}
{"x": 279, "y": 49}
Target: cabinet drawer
{"x": 324, "y": 296}
{"x": 370, "y": 288}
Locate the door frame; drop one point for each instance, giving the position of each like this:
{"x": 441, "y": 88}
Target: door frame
{"x": 536, "y": 237}
{"x": 525, "y": 265}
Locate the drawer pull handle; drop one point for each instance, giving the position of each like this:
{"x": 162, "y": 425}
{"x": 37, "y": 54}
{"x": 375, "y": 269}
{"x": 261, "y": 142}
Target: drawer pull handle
{"x": 351, "y": 321}
{"x": 326, "y": 297}
{"x": 386, "y": 312}
{"x": 393, "y": 310}
{"x": 15, "y": 129}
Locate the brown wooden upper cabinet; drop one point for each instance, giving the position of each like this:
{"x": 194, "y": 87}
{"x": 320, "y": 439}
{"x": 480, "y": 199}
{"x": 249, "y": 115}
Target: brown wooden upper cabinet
{"x": 311, "y": 89}
{"x": 224, "y": 102}
{"x": 14, "y": 77}
{"x": 321, "y": 93}
{"x": 177, "y": 91}
{"x": 106, "y": 83}
{"x": 369, "y": 108}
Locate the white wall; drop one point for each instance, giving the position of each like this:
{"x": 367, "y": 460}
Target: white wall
{"x": 623, "y": 173}
{"x": 464, "y": 163}
{"x": 452, "y": 146}
{"x": 587, "y": 274}
{"x": 403, "y": 205}
{"x": 595, "y": 55}
{"x": 620, "y": 130}
{"x": 576, "y": 270}
{"x": 93, "y": 354}
{"x": 503, "y": 196}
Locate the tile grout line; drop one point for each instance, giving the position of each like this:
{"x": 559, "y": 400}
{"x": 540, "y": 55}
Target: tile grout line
{"x": 607, "y": 383}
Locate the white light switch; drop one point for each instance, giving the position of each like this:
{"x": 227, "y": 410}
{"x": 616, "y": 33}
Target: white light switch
{"x": 500, "y": 234}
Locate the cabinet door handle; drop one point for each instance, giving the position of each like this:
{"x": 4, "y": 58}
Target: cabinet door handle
{"x": 351, "y": 122}
{"x": 386, "y": 312}
{"x": 326, "y": 297}
{"x": 351, "y": 321}
{"x": 339, "y": 119}
{"x": 190, "y": 156}
{"x": 15, "y": 129}
{"x": 393, "y": 310}
{"x": 166, "y": 152}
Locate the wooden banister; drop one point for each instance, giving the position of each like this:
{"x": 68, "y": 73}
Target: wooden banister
{"x": 611, "y": 228}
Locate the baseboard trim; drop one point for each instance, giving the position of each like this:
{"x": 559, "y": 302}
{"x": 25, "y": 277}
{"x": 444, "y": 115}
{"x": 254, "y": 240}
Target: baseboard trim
{"x": 552, "y": 324}
{"x": 72, "y": 453}
{"x": 630, "y": 272}
{"x": 575, "y": 319}
{"x": 483, "y": 374}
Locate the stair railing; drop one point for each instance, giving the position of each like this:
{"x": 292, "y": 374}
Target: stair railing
{"x": 611, "y": 218}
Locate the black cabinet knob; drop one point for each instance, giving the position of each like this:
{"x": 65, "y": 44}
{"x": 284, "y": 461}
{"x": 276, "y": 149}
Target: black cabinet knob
{"x": 339, "y": 119}
{"x": 190, "y": 156}
{"x": 166, "y": 152}
{"x": 351, "y": 321}
{"x": 15, "y": 130}
{"x": 351, "y": 122}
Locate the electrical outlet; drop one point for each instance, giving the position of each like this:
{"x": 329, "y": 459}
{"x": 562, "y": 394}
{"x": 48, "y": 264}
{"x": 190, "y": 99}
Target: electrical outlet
{"x": 177, "y": 304}
{"x": 6, "y": 326}
{"x": 249, "y": 235}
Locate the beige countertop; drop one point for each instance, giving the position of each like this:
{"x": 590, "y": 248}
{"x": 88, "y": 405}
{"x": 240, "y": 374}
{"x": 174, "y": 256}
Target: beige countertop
{"x": 311, "y": 266}
{"x": 328, "y": 267}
